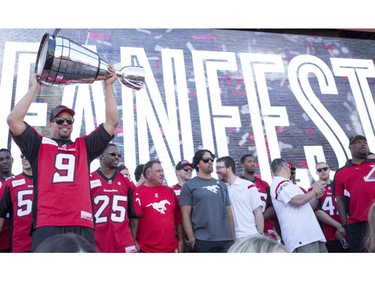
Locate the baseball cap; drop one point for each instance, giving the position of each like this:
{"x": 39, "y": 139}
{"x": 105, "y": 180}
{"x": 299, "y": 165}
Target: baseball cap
{"x": 58, "y": 109}
{"x": 182, "y": 164}
{"x": 292, "y": 166}
{"x": 355, "y": 137}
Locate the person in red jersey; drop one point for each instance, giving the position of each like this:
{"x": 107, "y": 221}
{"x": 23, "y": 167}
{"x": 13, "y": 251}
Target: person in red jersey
{"x": 160, "y": 228}
{"x": 184, "y": 171}
{"x": 17, "y": 200}
{"x": 327, "y": 214}
{"x": 61, "y": 167}
{"x": 248, "y": 163}
{"x": 6, "y": 164}
{"x": 112, "y": 196}
{"x": 357, "y": 180}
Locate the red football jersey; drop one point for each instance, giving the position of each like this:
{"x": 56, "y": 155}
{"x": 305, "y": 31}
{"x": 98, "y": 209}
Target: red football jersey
{"x": 113, "y": 208}
{"x": 359, "y": 181}
{"x": 63, "y": 185}
{"x": 18, "y": 198}
{"x": 161, "y": 215}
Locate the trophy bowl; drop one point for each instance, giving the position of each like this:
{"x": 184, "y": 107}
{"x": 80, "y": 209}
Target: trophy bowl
{"x": 61, "y": 61}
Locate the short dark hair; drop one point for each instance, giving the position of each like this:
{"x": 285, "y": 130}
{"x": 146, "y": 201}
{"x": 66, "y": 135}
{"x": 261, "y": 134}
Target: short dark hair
{"x": 66, "y": 243}
{"x": 138, "y": 172}
{"x": 148, "y": 165}
{"x": 228, "y": 162}
{"x": 243, "y": 158}
{"x": 5, "y": 150}
{"x": 199, "y": 155}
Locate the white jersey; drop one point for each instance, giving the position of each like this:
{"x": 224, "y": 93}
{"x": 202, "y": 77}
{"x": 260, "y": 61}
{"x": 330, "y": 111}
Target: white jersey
{"x": 244, "y": 197}
{"x": 299, "y": 225}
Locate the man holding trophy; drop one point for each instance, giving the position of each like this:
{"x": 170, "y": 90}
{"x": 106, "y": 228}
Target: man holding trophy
{"x": 61, "y": 167}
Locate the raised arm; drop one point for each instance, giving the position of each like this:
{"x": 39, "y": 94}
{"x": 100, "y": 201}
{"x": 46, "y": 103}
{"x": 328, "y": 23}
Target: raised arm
{"x": 111, "y": 115}
{"x": 18, "y": 113}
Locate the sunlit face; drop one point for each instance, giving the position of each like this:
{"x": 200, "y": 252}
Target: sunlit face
{"x": 205, "y": 165}
{"x": 155, "y": 175}
{"x": 222, "y": 171}
{"x": 64, "y": 130}
{"x": 185, "y": 173}
{"x": 322, "y": 170}
{"x": 249, "y": 165}
{"x": 111, "y": 157}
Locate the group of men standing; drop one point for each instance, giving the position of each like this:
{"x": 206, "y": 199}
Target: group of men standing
{"x": 56, "y": 193}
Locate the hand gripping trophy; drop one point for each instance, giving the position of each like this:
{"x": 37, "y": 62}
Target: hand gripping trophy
{"x": 61, "y": 61}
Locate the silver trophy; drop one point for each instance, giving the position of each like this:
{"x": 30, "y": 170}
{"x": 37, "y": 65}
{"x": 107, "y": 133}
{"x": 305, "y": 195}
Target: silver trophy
{"x": 61, "y": 61}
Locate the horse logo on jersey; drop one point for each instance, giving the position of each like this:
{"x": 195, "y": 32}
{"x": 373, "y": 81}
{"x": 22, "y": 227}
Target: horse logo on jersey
{"x": 159, "y": 206}
{"x": 212, "y": 188}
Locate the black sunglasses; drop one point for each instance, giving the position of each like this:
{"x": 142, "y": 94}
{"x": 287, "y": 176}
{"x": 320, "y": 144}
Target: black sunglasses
{"x": 207, "y": 160}
{"x": 322, "y": 169}
{"x": 114, "y": 154}
{"x": 188, "y": 170}
{"x": 60, "y": 121}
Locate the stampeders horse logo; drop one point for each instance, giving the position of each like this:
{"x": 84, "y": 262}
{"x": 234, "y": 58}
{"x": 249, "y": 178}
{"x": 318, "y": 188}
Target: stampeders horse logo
{"x": 159, "y": 206}
{"x": 212, "y": 188}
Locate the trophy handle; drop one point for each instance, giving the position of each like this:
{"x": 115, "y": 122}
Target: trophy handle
{"x": 132, "y": 77}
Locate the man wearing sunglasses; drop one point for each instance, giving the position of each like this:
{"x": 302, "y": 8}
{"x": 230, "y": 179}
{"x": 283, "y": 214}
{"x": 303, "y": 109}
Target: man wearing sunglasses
{"x": 206, "y": 208}
{"x": 184, "y": 171}
{"x": 325, "y": 209}
{"x": 61, "y": 167}
{"x": 112, "y": 196}
{"x": 356, "y": 179}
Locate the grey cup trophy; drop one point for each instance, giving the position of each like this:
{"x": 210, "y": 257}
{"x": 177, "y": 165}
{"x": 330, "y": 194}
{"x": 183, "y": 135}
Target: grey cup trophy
{"x": 61, "y": 61}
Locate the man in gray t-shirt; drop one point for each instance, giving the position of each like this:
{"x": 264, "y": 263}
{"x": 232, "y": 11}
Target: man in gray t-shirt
{"x": 206, "y": 209}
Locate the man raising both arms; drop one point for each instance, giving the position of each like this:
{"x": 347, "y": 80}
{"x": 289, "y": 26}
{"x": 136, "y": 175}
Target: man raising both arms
{"x": 62, "y": 201}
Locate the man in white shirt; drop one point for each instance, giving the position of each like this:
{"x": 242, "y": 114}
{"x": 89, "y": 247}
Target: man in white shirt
{"x": 245, "y": 199}
{"x": 300, "y": 228}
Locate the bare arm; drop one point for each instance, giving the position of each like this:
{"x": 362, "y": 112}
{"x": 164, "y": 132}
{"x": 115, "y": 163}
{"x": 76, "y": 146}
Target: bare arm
{"x": 19, "y": 111}
{"x": 325, "y": 218}
{"x": 111, "y": 115}
{"x": 186, "y": 222}
{"x": 231, "y": 221}
{"x": 259, "y": 219}
{"x": 134, "y": 228}
{"x": 341, "y": 208}
{"x": 302, "y": 199}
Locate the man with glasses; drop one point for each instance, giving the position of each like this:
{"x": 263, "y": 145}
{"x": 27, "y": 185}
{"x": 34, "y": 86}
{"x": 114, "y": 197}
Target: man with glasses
{"x": 356, "y": 179}
{"x": 113, "y": 198}
{"x": 61, "y": 167}
{"x": 206, "y": 208}
{"x": 327, "y": 214}
{"x": 300, "y": 228}
{"x": 245, "y": 199}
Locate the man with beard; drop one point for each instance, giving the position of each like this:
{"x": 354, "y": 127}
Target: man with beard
{"x": 356, "y": 179}
{"x": 206, "y": 208}
{"x": 112, "y": 196}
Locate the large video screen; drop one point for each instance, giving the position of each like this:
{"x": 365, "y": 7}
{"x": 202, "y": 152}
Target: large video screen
{"x": 233, "y": 92}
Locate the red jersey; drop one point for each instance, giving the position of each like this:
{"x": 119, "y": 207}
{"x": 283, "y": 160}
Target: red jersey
{"x": 4, "y": 233}
{"x": 113, "y": 207}
{"x": 328, "y": 204}
{"x": 359, "y": 181}
{"x": 161, "y": 215}
{"x": 177, "y": 190}
{"x": 17, "y": 200}
{"x": 61, "y": 171}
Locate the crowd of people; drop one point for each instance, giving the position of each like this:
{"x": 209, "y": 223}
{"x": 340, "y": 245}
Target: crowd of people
{"x": 58, "y": 205}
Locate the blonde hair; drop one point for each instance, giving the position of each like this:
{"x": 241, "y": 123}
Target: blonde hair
{"x": 257, "y": 244}
{"x": 370, "y": 235}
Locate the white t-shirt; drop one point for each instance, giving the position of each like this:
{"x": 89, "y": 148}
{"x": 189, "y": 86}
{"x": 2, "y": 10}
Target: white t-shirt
{"x": 244, "y": 197}
{"x": 299, "y": 225}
